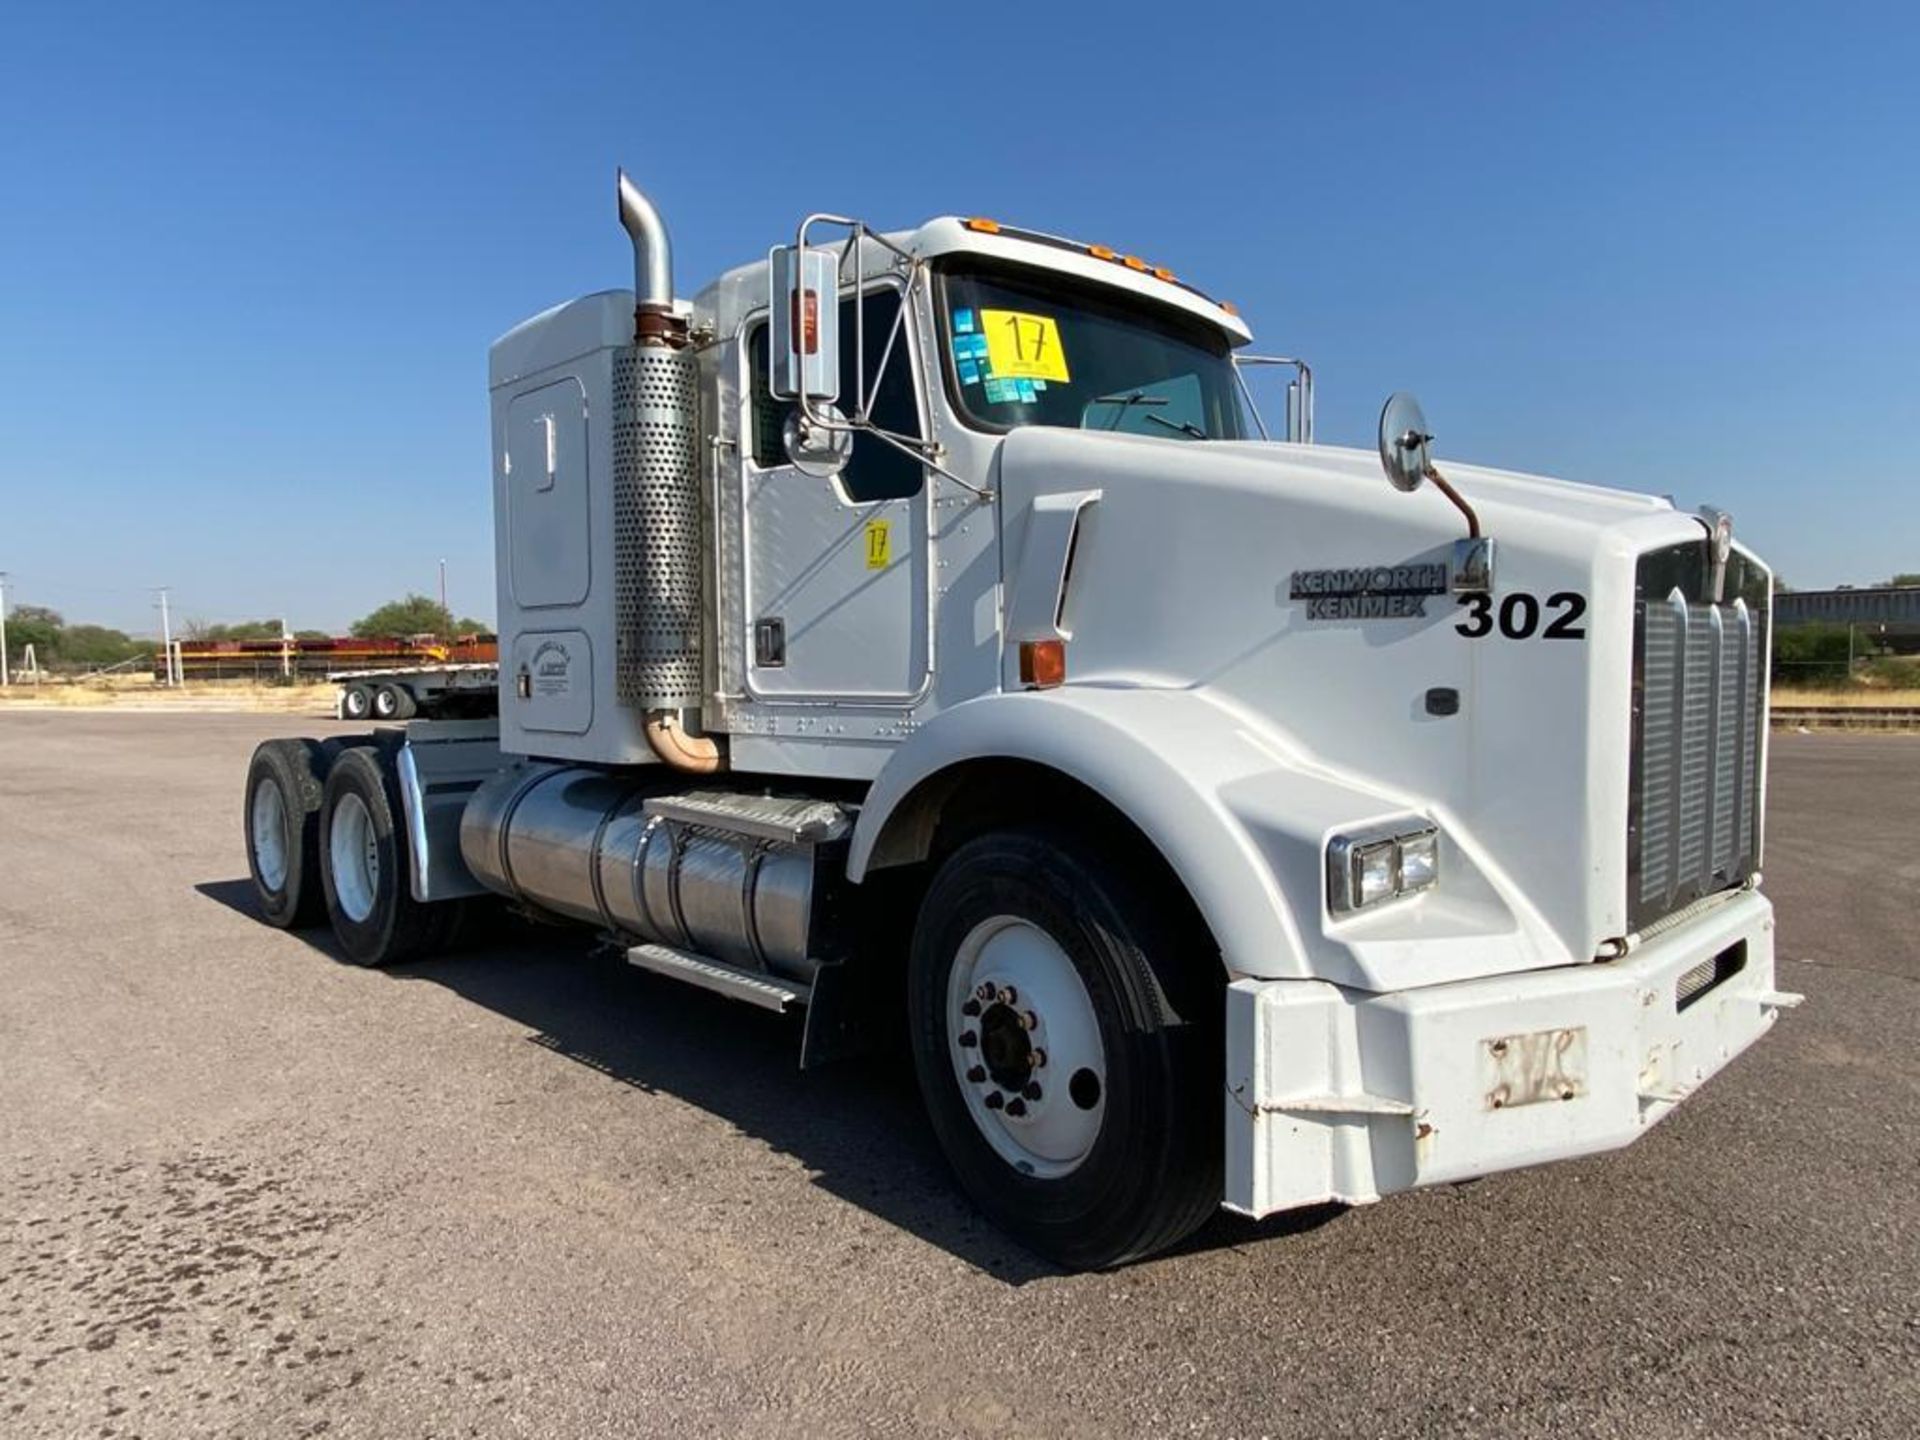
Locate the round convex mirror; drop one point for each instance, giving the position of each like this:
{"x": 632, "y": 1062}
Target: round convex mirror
{"x": 821, "y": 451}
{"x": 1403, "y": 442}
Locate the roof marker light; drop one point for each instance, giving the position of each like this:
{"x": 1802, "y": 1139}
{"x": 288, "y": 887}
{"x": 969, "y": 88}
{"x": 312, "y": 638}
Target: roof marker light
{"x": 1134, "y": 262}
{"x": 984, "y": 225}
{"x": 1102, "y": 252}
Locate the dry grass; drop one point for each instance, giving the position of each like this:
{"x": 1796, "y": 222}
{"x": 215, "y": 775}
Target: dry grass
{"x": 1788, "y": 696}
{"x": 139, "y": 692}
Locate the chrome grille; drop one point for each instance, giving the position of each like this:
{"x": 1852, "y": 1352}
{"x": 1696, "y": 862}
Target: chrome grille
{"x": 1700, "y": 694}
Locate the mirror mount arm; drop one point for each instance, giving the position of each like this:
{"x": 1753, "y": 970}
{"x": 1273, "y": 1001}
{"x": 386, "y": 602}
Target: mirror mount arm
{"x": 1445, "y": 487}
{"x": 927, "y": 452}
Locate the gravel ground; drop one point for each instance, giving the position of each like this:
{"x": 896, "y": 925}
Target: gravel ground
{"x": 249, "y": 1190}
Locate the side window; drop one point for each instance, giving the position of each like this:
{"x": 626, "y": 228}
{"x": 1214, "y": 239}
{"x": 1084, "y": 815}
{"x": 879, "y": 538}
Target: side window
{"x": 877, "y": 471}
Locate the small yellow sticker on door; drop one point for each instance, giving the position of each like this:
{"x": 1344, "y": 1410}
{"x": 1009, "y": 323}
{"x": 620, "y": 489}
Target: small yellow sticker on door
{"x": 879, "y": 544}
{"x": 1024, "y": 347}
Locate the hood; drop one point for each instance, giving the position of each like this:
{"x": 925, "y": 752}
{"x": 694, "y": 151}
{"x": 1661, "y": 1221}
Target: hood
{"x": 1230, "y": 569}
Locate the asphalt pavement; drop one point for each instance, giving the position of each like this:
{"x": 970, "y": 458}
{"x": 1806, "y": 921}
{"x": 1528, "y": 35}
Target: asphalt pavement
{"x": 248, "y": 1190}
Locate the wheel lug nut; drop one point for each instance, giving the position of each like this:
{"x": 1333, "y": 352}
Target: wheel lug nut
{"x": 1016, "y": 1108}
{"x": 1039, "y": 1058}
{"x": 977, "y": 1074}
{"x": 1032, "y": 1092}
{"x": 996, "y": 1100}
{"x": 1009, "y": 995}
{"x": 968, "y": 1039}
{"x": 1029, "y": 1019}
{"x": 985, "y": 992}
{"x": 971, "y": 1008}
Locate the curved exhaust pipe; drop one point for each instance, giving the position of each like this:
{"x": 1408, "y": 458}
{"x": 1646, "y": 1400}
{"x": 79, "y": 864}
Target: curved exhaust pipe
{"x": 660, "y": 338}
{"x": 652, "y": 263}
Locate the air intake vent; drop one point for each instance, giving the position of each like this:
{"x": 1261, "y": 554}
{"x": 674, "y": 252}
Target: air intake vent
{"x": 1700, "y": 697}
{"x": 656, "y": 529}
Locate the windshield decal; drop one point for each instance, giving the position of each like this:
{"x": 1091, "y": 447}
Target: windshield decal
{"x": 1023, "y": 346}
{"x": 969, "y": 350}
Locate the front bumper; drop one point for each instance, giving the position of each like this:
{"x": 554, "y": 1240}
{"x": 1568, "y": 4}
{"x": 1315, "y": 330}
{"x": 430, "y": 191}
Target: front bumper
{"x": 1342, "y": 1095}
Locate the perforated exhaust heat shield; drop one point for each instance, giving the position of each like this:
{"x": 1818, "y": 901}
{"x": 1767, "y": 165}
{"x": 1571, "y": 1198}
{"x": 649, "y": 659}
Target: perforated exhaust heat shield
{"x": 656, "y": 528}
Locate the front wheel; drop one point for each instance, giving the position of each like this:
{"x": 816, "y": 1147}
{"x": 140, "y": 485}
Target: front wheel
{"x": 1066, "y": 1036}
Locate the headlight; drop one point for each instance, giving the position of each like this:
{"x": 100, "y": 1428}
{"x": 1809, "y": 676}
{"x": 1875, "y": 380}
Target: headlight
{"x": 1372, "y": 866}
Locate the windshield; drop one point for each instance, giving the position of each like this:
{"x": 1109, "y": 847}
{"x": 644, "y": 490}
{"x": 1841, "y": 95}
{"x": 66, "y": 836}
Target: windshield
{"x": 1030, "y": 348}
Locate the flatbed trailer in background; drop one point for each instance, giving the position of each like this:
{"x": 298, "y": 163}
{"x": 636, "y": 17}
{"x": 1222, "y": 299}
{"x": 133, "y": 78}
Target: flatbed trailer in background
{"x": 315, "y": 657}
{"x": 435, "y": 692}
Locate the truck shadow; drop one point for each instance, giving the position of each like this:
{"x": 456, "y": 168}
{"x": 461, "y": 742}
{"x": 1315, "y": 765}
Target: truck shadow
{"x": 857, "y": 1125}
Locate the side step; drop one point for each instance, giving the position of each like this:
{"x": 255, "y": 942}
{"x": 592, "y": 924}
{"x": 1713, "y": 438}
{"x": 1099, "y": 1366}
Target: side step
{"x": 765, "y": 991}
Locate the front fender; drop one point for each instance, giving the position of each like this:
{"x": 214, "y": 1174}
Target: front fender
{"x": 1190, "y": 775}
{"x": 1243, "y": 817}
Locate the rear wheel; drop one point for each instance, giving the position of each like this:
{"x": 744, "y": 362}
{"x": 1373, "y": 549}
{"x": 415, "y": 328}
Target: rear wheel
{"x": 363, "y": 867}
{"x": 356, "y": 702}
{"x": 285, "y": 784}
{"x": 1066, "y": 1030}
{"x": 394, "y": 702}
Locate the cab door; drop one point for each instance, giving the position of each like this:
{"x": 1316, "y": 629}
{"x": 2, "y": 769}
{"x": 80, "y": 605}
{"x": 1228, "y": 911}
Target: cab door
{"x": 837, "y": 570}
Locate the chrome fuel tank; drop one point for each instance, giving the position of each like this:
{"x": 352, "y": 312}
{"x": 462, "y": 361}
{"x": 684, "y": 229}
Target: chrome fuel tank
{"x": 728, "y": 875}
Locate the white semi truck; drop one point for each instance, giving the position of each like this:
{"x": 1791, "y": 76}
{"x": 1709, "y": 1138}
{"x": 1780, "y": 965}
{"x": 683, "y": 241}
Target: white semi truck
{"x": 919, "y": 629}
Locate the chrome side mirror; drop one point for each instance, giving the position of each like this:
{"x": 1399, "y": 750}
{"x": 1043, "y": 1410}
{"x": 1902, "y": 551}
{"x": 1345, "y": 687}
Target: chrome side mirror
{"x": 1403, "y": 442}
{"x": 803, "y": 300}
{"x": 1406, "y": 457}
{"x": 820, "y": 450}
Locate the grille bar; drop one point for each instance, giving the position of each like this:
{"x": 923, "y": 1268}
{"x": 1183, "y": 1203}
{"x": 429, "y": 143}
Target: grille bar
{"x": 1694, "y": 824}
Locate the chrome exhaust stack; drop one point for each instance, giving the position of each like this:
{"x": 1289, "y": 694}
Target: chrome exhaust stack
{"x": 659, "y": 597}
{"x": 652, "y": 266}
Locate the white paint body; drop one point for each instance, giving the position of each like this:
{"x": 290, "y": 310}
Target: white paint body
{"x": 1238, "y": 735}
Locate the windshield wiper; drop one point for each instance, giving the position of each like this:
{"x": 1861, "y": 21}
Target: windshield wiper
{"x": 1185, "y": 427}
{"x": 1126, "y": 402}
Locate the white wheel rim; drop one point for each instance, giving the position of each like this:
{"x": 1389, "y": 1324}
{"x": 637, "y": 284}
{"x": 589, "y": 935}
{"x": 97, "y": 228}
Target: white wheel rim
{"x": 1026, "y": 1047}
{"x": 355, "y": 857}
{"x": 384, "y": 704}
{"x": 267, "y": 818}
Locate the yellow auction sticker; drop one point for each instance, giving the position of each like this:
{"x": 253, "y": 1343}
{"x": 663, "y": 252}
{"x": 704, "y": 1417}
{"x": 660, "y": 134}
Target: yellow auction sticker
{"x": 1024, "y": 347}
{"x": 879, "y": 544}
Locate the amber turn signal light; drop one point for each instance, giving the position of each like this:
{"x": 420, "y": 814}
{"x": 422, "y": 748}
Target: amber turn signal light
{"x": 1043, "y": 663}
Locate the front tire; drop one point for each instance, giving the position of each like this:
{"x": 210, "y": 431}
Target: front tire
{"x": 364, "y": 867}
{"x": 1065, "y": 1013}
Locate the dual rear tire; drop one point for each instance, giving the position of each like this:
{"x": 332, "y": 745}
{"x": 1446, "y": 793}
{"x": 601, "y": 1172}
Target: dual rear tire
{"x": 326, "y": 841}
{"x": 387, "y": 700}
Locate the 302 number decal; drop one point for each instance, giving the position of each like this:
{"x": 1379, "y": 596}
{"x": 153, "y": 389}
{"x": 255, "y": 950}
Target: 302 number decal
{"x": 1518, "y": 616}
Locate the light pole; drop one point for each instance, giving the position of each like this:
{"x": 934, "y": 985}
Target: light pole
{"x": 5, "y": 679}
{"x": 166, "y": 634}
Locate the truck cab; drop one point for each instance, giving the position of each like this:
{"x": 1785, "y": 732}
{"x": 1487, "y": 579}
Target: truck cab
{"x": 922, "y": 630}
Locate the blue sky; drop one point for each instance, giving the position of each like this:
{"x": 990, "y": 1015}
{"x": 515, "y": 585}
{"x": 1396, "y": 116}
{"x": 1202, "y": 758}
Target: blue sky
{"x": 251, "y": 257}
